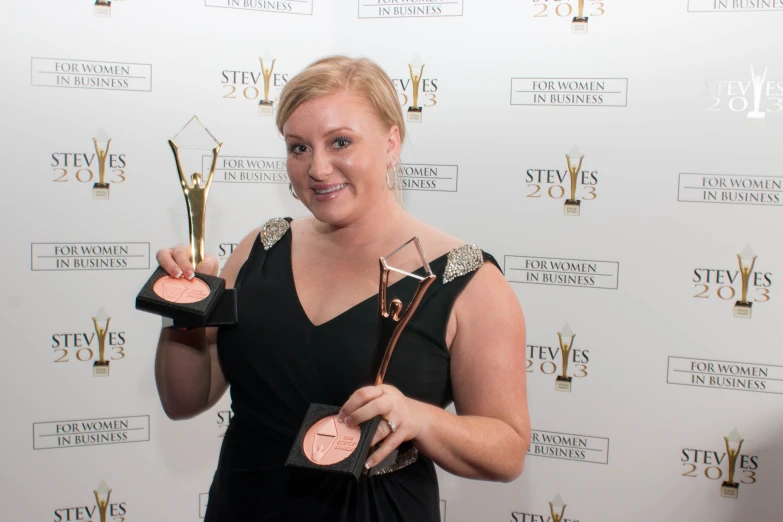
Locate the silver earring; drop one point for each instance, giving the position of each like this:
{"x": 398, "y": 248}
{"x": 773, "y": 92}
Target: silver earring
{"x": 395, "y": 181}
{"x": 291, "y": 190}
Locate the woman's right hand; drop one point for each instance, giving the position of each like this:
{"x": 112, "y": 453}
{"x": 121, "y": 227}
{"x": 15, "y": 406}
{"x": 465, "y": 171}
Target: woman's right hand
{"x": 176, "y": 262}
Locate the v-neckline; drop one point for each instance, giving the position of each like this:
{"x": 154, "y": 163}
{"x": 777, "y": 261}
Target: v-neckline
{"x": 347, "y": 310}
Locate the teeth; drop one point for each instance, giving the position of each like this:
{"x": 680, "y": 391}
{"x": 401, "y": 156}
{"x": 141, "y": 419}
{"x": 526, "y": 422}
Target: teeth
{"x": 333, "y": 189}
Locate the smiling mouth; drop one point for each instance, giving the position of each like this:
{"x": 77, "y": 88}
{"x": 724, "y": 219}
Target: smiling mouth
{"x": 331, "y": 189}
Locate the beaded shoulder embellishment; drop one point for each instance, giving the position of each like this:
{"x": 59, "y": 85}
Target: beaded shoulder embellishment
{"x": 462, "y": 260}
{"x": 272, "y": 231}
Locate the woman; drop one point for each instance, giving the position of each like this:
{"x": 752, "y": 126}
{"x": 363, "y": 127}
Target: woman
{"x": 307, "y": 292}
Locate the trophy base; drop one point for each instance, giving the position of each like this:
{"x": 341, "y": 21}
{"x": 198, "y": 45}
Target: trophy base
{"x": 103, "y": 10}
{"x": 100, "y": 369}
{"x": 341, "y": 453}
{"x": 572, "y": 207}
{"x": 579, "y": 25}
{"x": 755, "y": 120}
{"x": 100, "y": 191}
{"x": 563, "y": 384}
{"x": 265, "y": 108}
{"x": 414, "y": 114}
{"x": 742, "y": 310}
{"x": 202, "y": 301}
{"x": 729, "y": 490}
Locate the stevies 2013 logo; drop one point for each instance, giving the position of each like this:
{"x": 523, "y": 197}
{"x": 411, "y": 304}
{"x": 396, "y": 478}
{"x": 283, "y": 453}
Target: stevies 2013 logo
{"x": 731, "y": 466}
{"x": 103, "y": 168}
{"x": 755, "y": 96}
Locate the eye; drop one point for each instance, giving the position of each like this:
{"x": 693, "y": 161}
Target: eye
{"x": 297, "y": 148}
{"x": 341, "y": 142}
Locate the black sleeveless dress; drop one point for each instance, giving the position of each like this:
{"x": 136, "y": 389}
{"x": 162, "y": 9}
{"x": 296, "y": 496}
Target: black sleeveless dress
{"x": 278, "y": 363}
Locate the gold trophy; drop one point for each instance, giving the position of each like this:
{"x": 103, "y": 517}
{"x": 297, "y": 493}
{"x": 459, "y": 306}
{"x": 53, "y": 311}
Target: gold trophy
{"x": 326, "y": 444}
{"x": 729, "y": 488}
{"x": 566, "y": 338}
{"x": 102, "y": 496}
{"x": 100, "y": 368}
{"x": 103, "y": 8}
{"x": 579, "y": 24}
{"x": 557, "y": 508}
{"x": 102, "y": 141}
{"x": 755, "y": 118}
{"x": 202, "y": 300}
{"x": 194, "y": 137}
{"x": 265, "y": 106}
{"x": 572, "y": 206}
{"x": 414, "y": 111}
{"x": 743, "y": 308}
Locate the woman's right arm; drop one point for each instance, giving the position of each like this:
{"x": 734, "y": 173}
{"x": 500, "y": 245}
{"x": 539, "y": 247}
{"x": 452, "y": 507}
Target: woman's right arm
{"x": 187, "y": 370}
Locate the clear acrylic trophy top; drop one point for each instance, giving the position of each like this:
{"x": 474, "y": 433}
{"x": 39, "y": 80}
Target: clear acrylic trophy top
{"x": 103, "y": 489}
{"x": 102, "y": 138}
{"x": 575, "y": 153}
{"x": 557, "y": 502}
{"x": 734, "y": 436}
{"x": 747, "y": 253}
{"x": 416, "y": 64}
{"x": 195, "y": 146}
{"x": 267, "y": 59}
{"x": 102, "y": 316}
{"x": 567, "y": 333}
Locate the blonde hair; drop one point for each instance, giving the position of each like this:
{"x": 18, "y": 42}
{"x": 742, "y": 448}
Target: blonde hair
{"x": 334, "y": 73}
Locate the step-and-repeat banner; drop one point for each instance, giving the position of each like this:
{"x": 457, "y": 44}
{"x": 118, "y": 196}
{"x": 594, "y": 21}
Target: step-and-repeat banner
{"x": 622, "y": 160}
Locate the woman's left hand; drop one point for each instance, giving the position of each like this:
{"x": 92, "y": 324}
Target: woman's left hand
{"x": 394, "y": 408}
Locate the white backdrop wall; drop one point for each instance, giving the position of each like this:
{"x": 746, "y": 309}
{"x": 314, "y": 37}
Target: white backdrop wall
{"x": 657, "y": 95}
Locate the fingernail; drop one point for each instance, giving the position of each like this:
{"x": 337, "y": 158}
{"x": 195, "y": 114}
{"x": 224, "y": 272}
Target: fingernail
{"x": 368, "y": 464}
{"x": 348, "y": 420}
{"x": 179, "y": 274}
{"x": 191, "y": 275}
{"x": 340, "y": 417}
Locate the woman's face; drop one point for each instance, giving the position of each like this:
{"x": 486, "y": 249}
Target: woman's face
{"x": 338, "y": 153}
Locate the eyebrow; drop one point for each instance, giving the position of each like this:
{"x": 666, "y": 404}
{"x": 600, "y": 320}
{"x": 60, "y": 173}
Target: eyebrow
{"x": 331, "y": 131}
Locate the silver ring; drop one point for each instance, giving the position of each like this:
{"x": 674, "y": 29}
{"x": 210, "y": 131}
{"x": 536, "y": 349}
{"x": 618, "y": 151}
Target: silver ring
{"x": 391, "y": 424}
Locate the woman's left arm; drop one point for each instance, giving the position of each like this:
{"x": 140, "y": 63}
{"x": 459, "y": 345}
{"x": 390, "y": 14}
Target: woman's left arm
{"x": 489, "y": 436}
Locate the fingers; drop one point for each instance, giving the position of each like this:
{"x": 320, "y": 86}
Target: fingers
{"x": 166, "y": 260}
{"x": 381, "y": 433}
{"x": 388, "y": 445}
{"x": 208, "y": 266}
{"x": 182, "y": 258}
{"x": 378, "y": 407}
{"x": 359, "y": 398}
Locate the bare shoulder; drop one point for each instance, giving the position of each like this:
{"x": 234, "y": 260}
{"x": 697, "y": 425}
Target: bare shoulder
{"x": 435, "y": 241}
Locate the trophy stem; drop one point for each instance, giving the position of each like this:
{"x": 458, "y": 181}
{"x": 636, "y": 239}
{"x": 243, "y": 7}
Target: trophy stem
{"x": 101, "y": 153}
{"x": 416, "y": 79}
{"x": 267, "y": 78}
{"x": 581, "y": 9}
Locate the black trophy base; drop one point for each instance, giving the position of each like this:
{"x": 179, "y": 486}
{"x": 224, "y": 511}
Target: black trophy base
{"x": 579, "y": 25}
{"x": 572, "y": 207}
{"x": 204, "y": 301}
{"x": 729, "y": 490}
{"x": 353, "y": 464}
{"x": 743, "y": 310}
{"x": 100, "y": 191}
{"x": 563, "y": 384}
{"x": 100, "y": 369}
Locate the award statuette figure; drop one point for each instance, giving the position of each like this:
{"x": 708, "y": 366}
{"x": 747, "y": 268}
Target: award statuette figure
{"x": 265, "y": 106}
{"x": 102, "y": 496}
{"x": 557, "y": 508}
{"x": 579, "y": 23}
{"x": 323, "y": 442}
{"x": 755, "y": 118}
{"x": 729, "y": 488}
{"x": 100, "y": 368}
{"x": 572, "y": 206}
{"x": 566, "y": 338}
{"x": 102, "y": 141}
{"x": 414, "y": 111}
{"x": 743, "y": 308}
{"x": 103, "y": 8}
{"x": 203, "y": 300}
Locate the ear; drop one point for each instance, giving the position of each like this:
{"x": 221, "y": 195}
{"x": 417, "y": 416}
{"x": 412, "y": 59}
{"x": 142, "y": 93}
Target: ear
{"x": 393, "y": 143}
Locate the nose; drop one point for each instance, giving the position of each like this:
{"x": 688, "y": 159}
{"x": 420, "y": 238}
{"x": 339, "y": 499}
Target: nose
{"x": 320, "y": 168}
